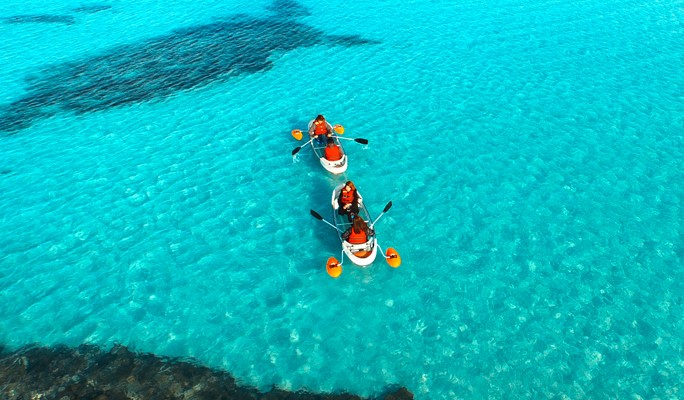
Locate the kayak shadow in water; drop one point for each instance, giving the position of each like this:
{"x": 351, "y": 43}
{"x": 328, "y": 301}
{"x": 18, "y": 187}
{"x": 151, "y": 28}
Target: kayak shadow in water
{"x": 156, "y": 68}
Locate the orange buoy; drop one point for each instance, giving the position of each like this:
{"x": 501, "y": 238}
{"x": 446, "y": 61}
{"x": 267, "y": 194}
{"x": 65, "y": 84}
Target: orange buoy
{"x": 393, "y": 258}
{"x": 333, "y": 267}
{"x": 339, "y": 129}
{"x": 297, "y": 134}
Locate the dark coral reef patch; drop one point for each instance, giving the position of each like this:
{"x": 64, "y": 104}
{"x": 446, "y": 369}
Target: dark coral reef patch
{"x": 91, "y": 9}
{"x": 90, "y": 372}
{"x": 185, "y": 59}
{"x": 39, "y": 19}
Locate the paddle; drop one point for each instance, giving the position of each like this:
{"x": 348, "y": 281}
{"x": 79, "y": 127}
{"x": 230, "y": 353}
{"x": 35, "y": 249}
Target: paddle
{"x": 357, "y": 140}
{"x": 333, "y": 267}
{"x": 296, "y": 149}
{"x": 387, "y": 207}
{"x": 318, "y": 217}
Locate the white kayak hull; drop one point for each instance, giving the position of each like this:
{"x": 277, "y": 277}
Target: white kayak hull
{"x": 334, "y": 167}
{"x": 362, "y": 254}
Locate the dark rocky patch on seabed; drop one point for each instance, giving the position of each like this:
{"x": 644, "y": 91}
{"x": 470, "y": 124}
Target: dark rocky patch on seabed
{"x": 157, "y": 68}
{"x": 40, "y": 19}
{"x": 91, "y": 9}
{"x": 92, "y": 373}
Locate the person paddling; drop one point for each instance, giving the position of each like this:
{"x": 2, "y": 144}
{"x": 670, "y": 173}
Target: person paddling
{"x": 320, "y": 129}
{"x": 358, "y": 233}
{"x": 348, "y": 201}
{"x": 332, "y": 151}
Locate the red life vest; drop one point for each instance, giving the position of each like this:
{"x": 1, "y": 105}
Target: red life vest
{"x": 320, "y": 128}
{"x": 357, "y": 238}
{"x": 347, "y": 197}
{"x": 333, "y": 153}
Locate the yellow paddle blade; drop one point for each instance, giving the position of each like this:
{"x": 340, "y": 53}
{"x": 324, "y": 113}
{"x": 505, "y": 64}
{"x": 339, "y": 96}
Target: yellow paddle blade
{"x": 333, "y": 267}
{"x": 297, "y": 134}
{"x": 339, "y": 129}
{"x": 393, "y": 258}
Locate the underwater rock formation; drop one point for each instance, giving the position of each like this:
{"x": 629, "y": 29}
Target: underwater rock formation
{"x": 39, "y": 19}
{"x": 91, "y": 373}
{"x": 156, "y": 68}
{"x": 91, "y": 9}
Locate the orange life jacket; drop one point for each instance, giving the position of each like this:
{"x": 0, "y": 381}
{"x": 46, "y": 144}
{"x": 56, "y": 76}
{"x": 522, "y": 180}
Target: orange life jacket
{"x": 347, "y": 197}
{"x": 320, "y": 128}
{"x": 357, "y": 238}
{"x": 333, "y": 153}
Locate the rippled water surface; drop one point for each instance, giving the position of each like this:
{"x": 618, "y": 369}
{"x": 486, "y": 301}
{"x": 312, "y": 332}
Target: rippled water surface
{"x": 532, "y": 150}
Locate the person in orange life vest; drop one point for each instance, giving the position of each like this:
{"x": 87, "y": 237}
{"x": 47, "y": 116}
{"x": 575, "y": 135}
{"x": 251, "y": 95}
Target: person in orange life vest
{"x": 332, "y": 151}
{"x": 320, "y": 129}
{"x": 358, "y": 233}
{"x": 348, "y": 201}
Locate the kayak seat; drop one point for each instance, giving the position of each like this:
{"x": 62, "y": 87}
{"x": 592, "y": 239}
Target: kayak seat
{"x": 361, "y": 250}
{"x": 363, "y": 253}
{"x": 361, "y": 247}
{"x": 337, "y": 163}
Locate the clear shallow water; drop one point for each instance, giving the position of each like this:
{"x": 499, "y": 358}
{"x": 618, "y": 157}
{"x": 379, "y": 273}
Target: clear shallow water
{"x": 532, "y": 151}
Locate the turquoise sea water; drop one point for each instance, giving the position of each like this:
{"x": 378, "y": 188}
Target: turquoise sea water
{"x": 533, "y": 152}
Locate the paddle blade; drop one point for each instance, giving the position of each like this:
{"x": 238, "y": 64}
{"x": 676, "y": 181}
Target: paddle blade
{"x": 392, "y": 258}
{"x": 361, "y": 140}
{"x": 339, "y": 129}
{"x": 387, "y": 207}
{"x": 333, "y": 267}
{"x": 296, "y": 150}
{"x": 316, "y": 215}
{"x": 297, "y": 134}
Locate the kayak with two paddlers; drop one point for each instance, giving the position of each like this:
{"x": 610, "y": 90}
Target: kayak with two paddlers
{"x": 334, "y": 160}
{"x": 361, "y": 253}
